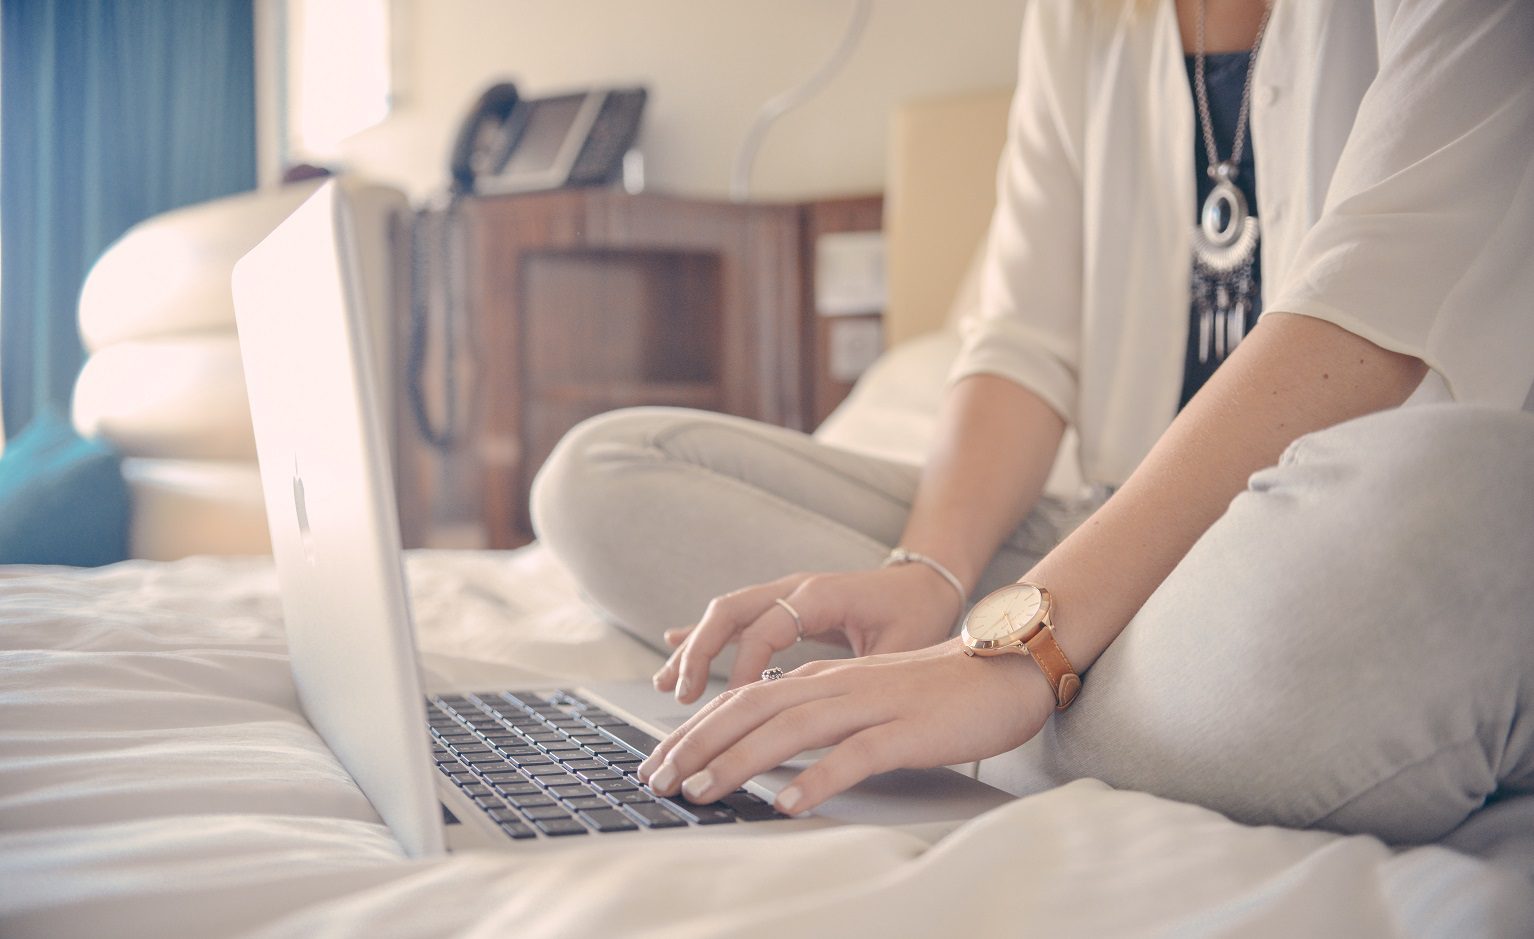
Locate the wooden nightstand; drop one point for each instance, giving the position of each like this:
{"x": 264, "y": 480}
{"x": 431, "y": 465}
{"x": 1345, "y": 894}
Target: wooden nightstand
{"x": 583, "y": 301}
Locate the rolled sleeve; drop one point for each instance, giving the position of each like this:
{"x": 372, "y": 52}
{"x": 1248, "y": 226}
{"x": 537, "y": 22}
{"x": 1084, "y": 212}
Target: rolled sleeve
{"x": 1425, "y": 244}
{"x": 1027, "y": 327}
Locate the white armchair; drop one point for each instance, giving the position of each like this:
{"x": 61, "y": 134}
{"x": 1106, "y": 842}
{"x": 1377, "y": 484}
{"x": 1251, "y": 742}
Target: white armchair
{"x": 163, "y": 381}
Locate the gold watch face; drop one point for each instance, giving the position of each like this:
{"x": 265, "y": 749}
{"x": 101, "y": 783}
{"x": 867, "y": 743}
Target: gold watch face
{"x": 1014, "y": 612}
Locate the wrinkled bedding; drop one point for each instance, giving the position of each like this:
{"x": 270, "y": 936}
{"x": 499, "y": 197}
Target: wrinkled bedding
{"x": 158, "y": 779}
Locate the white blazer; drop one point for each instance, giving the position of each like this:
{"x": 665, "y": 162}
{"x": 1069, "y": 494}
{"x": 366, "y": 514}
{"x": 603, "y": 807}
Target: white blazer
{"x": 1393, "y": 145}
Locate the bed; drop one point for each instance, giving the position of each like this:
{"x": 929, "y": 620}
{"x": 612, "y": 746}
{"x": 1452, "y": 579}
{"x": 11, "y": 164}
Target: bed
{"x": 158, "y": 779}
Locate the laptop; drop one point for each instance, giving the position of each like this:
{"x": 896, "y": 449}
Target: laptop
{"x": 451, "y": 768}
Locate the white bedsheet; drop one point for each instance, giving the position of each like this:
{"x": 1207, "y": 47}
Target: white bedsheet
{"x": 157, "y": 779}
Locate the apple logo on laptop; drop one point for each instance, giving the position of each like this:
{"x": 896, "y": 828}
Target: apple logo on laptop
{"x": 301, "y": 509}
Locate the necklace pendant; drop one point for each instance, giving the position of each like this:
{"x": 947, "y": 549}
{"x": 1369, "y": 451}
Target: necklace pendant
{"x": 1236, "y": 331}
{"x": 1224, "y": 253}
{"x": 1226, "y": 235}
{"x": 1221, "y": 317}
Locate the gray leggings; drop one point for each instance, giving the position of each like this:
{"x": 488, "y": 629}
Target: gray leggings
{"x": 1350, "y": 647}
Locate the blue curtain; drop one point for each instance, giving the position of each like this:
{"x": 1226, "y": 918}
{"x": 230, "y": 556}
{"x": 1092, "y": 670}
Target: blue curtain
{"x": 110, "y": 111}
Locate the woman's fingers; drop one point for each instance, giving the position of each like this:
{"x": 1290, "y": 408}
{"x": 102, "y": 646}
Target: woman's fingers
{"x": 675, "y": 637}
{"x": 771, "y": 633}
{"x": 808, "y": 726}
{"x": 686, "y": 671}
{"x": 665, "y": 678}
{"x": 815, "y": 608}
{"x": 867, "y": 742}
{"x": 753, "y": 650}
{"x": 762, "y": 701}
{"x": 872, "y": 612}
{"x": 873, "y": 750}
{"x": 720, "y": 619}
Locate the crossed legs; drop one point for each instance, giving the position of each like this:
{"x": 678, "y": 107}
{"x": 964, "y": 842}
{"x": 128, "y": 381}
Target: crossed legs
{"x": 1350, "y": 647}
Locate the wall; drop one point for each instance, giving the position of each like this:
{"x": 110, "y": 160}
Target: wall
{"x": 709, "y": 65}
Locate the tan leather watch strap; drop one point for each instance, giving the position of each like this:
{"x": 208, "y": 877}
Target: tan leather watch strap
{"x": 1063, "y": 680}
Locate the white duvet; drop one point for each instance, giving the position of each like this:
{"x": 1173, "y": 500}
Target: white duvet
{"x": 157, "y": 779}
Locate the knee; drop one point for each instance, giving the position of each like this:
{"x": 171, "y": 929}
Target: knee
{"x": 1443, "y": 491}
{"x": 1428, "y": 462}
{"x": 585, "y": 477}
{"x": 1376, "y": 581}
{"x": 1432, "y": 505}
{"x": 617, "y": 480}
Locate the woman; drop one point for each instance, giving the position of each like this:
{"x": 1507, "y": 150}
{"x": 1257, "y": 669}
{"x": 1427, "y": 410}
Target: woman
{"x": 1301, "y": 605}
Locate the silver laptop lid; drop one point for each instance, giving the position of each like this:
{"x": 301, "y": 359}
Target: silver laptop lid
{"x": 331, "y": 509}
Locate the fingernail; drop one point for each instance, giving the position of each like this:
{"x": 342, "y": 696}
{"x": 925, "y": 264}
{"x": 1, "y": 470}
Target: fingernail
{"x": 663, "y": 778}
{"x": 682, "y": 687}
{"x": 644, "y": 771}
{"x": 655, "y": 679}
{"x": 697, "y": 784}
{"x": 788, "y": 798}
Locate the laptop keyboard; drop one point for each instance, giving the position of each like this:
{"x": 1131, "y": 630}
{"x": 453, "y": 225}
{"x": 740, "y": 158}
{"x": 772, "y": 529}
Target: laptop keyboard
{"x": 554, "y": 765}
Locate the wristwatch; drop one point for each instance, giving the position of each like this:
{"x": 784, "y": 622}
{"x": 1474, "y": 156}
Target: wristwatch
{"x": 1016, "y": 619}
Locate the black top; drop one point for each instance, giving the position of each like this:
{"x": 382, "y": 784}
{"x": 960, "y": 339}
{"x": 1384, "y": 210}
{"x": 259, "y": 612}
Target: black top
{"x": 1225, "y": 78}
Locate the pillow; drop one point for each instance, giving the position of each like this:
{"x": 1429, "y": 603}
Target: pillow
{"x": 62, "y": 498}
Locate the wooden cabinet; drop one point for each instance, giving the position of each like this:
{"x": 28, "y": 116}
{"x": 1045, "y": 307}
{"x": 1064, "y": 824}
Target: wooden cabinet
{"x": 582, "y": 301}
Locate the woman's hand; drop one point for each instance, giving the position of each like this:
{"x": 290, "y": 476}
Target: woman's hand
{"x": 892, "y": 609}
{"x": 932, "y": 707}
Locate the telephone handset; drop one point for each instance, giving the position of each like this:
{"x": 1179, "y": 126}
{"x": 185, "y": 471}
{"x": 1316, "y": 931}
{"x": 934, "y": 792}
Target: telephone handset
{"x": 486, "y": 137}
{"x": 512, "y": 144}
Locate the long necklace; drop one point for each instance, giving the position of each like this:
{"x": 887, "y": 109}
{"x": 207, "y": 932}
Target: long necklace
{"x": 1225, "y": 238}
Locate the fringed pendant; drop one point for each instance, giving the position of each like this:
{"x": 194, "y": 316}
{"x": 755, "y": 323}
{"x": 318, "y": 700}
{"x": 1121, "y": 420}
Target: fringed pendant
{"x": 1224, "y": 251}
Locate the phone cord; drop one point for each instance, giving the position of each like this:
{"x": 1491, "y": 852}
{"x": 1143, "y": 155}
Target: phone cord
{"x": 427, "y": 271}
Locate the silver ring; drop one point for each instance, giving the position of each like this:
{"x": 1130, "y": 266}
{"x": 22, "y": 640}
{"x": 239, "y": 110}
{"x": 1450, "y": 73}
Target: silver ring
{"x": 772, "y": 674}
{"x": 798, "y": 623}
